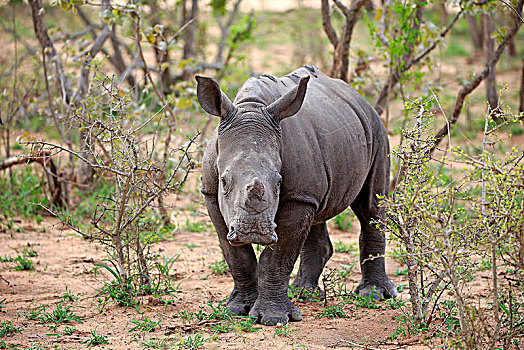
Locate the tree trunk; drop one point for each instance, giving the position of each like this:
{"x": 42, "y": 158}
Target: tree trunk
{"x": 190, "y": 33}
{"x": 521, "y": 106}
{"x": 489, "y": 45}
{"x": 474, "y": 32}
{"x": 340, "y": 66}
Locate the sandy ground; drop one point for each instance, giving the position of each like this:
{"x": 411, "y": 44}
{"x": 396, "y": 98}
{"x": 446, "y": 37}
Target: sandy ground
{"x": 64, "y": 263}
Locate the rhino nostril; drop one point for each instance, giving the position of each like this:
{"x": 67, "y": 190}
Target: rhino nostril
{"x": 232, "y": 235}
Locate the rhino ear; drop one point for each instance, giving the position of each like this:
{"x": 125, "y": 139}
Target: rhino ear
{"x": 290, "y": 103}
{"x": 211, "y": 98}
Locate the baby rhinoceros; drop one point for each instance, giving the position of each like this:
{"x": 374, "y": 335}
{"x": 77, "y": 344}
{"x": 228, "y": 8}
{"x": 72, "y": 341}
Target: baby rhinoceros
{"x": 274, "y": 180}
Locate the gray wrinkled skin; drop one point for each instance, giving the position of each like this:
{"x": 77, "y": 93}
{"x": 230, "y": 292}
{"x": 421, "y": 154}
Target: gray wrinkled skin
{"x": 289, "y": 154}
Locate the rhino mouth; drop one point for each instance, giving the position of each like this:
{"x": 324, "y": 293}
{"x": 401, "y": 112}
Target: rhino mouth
{"x": 256, "y": 231}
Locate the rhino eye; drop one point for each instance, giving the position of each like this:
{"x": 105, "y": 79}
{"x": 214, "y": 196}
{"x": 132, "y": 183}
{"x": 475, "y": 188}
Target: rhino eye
{"x": 279, "y": 182}
{"x": 226, "y": 183}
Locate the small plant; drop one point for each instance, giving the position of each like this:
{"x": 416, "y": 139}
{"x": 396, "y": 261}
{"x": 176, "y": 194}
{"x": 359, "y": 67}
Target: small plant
{"x": 395, "y": 303}
{"x": 333, "y": 311}
{"x": 307, "y": 294}
{"x": 367, "y": 302}
{"x": 282, "y": 330}
{"x": 219, "y": 268}
{"x": 222, "y": 327}
{"x": 186, "y": 316}
{"x": 346, "y": 270}
{"x": 7, "y": 328}
{"x": 246, "y": 325}
{"x": 407, "y": 326}
{"x": 196, "y": 226}
{"x": 343, "y": 220}
{"x": 95, "y": 339}
{"x": 165, "y": 266}
{"x": 2, "y": 305}
{"x": 35, "y": 314}
{"x": 29, "y": 251}
{"x": 70, "y": 297}
{"x": 145, "y": 325}
{"x": 219, "y": 312}
{"x": 24, "y": 264}
{"x": 61, "y": 314}
{"x": 155, "y": 343}
{"x": 191, "y": 246}
{"x": 195, "y": 341}
{"x": 485, "y": 265}
{"x": 68, "y": 330}
{"x": 101, "y": 304}
{"x": 403, "y": 272}
{"x": 341, "y": 247}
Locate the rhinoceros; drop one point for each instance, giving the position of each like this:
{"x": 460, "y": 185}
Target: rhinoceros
{"x": 288, "y": 154}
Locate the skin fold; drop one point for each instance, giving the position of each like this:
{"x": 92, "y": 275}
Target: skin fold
{"x": 288, "y": 154}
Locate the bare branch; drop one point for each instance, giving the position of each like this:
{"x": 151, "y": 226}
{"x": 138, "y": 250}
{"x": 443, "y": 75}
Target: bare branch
{"x": 475, "y": 82}
{"x": 326, "y": 23}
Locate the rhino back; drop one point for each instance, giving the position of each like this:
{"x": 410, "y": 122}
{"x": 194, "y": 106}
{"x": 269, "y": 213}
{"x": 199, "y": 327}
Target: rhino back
{"x": 330, "y": 145}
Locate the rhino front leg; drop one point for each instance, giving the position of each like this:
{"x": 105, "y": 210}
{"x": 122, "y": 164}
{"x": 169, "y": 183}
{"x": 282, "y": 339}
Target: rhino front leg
{"x": 276, "y": 262}
{"x": 315, "y": 253}
{"x": 241, "y": 261}
{"x": 372, "y": 242}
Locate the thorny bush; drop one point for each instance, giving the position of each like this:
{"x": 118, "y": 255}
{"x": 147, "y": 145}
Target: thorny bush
{"x": 454, "y": 217}
{"x": 126, "y": 152}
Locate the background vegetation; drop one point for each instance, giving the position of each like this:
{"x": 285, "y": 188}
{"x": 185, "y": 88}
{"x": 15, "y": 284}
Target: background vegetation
{"x": 101, "y": 129}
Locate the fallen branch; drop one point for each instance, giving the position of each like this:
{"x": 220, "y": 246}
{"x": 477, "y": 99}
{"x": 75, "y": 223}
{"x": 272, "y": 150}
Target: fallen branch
{"x": 43, "y": 158}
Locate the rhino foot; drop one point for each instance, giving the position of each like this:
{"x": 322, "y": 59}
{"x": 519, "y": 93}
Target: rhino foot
{"x": 384, "y": 289}
{"x": 239, "y": 304}
{"x": 274, "y": 313}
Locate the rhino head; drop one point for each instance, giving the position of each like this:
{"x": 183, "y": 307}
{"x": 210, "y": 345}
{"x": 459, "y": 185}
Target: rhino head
{"x": 249, "y": 159}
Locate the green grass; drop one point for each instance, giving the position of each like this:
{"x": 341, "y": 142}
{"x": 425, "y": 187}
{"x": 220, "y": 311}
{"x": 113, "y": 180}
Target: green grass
{"x": 219, "y": 268}
{"x": 403, "y": 272}
{"x": 368, "y": 302}
{"x": 61, "y": 314}
{"x": 341, "y": 247}
{"x": 282, "y": 330}
{"x": 95, "y": 339}
{"x": 23, "y": 263}
{"x": 17, "y": 198}
{"x": 243, "y": 324}
{"x": 196, "y": 226}
{"x": 456, "y": 49}
{"x": 7, "y": 329}
{"x": 219, "y": 312}
{"x": 155, "y": 343}
{"x": 343, "y": 220}
{"x": 333, "y": 311}
{"x": 192, "y": 341}
{"x": 145, "y": 325}
{"x": 346, "y": 270}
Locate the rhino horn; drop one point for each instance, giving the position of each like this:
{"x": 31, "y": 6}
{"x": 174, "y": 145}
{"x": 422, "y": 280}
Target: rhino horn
{"x": 255, "y": 189}
{"x": 213, "y": 100}
{"x": 289, "y": 104}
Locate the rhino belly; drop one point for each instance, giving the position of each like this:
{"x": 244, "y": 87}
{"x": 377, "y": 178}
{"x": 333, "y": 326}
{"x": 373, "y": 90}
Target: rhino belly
{"x": 326, "y": 157}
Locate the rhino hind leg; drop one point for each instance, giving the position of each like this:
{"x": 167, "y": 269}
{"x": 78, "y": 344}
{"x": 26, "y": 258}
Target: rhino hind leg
{"x": 315, "y": 253}
{"x": 372, "y": 242}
